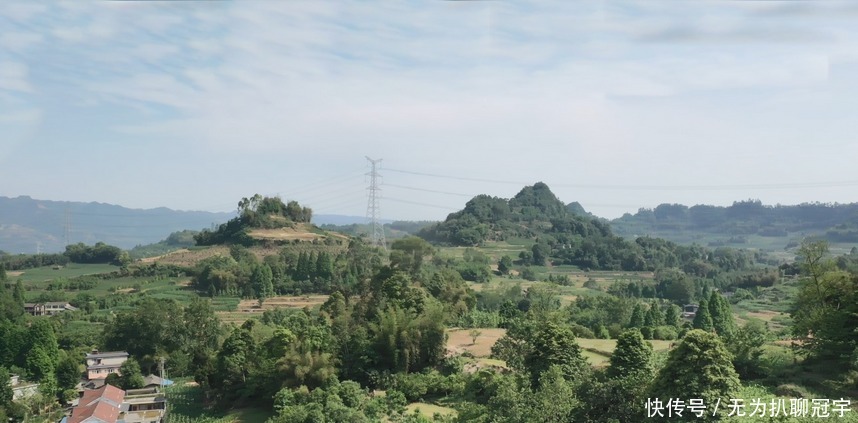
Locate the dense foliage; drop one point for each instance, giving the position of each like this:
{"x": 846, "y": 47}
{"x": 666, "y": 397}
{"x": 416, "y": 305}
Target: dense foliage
{"x": 380, "y": 340}
{"x": 255, "y": 212}
{"x": 569, "y": 237}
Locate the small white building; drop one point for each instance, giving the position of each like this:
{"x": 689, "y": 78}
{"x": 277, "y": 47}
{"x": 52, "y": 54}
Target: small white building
{"x": 22, "y": 389}
{"x": 100, "y": 364}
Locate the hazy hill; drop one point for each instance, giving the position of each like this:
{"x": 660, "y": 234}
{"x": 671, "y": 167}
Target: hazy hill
{"x": 27, "y": 224}
{"x": 25, "y": 221}
{"x": 743, "y": 222}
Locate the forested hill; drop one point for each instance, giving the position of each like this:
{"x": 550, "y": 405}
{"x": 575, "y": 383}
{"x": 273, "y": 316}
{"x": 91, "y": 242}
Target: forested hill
{"x": 743, "y": 222}
{"x": 26, "y": 222}
{"x": 562, "y": 234}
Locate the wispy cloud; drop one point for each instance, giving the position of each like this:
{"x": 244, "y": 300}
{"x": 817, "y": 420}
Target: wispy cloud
{"x": 494, "y": 82}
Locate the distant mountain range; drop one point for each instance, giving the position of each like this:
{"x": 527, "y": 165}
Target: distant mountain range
{"x": 29, "y": 225}
{"x": 744, "y": 223}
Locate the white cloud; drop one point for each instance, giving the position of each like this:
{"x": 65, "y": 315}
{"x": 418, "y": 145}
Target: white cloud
{"x": 14, "y": 77}
{"x": 647, "y": 91}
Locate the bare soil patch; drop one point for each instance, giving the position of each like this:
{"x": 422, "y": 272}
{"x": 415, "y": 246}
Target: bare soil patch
{"x": 284, "y": 301}
{"x": 14, "y": 274}
{"x": 459, "y": 341}
{"x": 284, "y": 234}
{"x": 764, "y": 315}
{"x": 190, "y": 258}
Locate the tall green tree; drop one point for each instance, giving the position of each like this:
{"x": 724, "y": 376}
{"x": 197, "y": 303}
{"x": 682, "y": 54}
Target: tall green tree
{"x": 699, "y": 367}
{"x": 6, "y": 393}
{"x": 202, "y": 334}
{"x": 18, "y": 293}
{"x": 722, "y": 316}
{"x": 825, "y": 310}
{"x": 407, "y": 254}
{"x": 147, "y": 332}
{"x": 406, "y": 341}
{"x": 746, "y": 345}
{"x": 654, "y": 316}
{"x": 68, "y": 372}
{"x": 554, "y": 345}
{"x": 41, "y": 335}
{"x": 234, "y": 364}
{"x": 131, "y": 377}
{"x": 632, "y": 355}
{"x": 703, "y": 320}
{"x": 504, "y": 265}
{"x": 671, "y": 315}
{"x": 262, "y": 281}
{"x": 638, "y": 316}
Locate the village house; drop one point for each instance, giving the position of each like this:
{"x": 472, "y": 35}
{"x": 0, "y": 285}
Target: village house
{"x": 47, "y": 309}
{"x": 146, "y": 405}
{"x": 101, "y": 364}
{"x": 101, "y": 405}
{"x": 110, "y": 404}
{"x": 689, "y": 311}
{"x": 22, "y": 389}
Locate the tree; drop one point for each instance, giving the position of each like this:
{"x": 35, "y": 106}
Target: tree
{"x": 540, "y": 252}
{"x": 825, "y": 311}
{"x": 699, "y": 367}
{"x": 233, "y": 364}
{"x": 722, "y": 316}
{"x": 405, "y": 341}
{"x": 638, "y": 319}
{"x": 202, "y": 333}
{"x": 746, "y": 345}
{"x": 702, "y": 319}
{"x": 654, "y": 316}
{"x": 671, "y": 315}
{"x": 554, "y": 345}
{"x": 6, "y": 393}
{"x": 631, "y": 356}
{"x": 504, "y": 265}
{"x": 261, "y": 280}
{"x": 39, "y": 364}
{"x": 18, "y": 293}
{"x": 130, "y": 375}
{"x": 113, "y": 379}
{"x": 147, "y": 330}
{"x": 407, "y": 254}
{"x": 474, "y": 333}
{"x": 68, "y": 372}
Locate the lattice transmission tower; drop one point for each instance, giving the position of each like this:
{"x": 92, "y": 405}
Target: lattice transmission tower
{"x": 372, "y": 206}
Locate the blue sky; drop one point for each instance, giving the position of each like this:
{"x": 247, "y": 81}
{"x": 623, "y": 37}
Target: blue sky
{"x": 193, "y": 105}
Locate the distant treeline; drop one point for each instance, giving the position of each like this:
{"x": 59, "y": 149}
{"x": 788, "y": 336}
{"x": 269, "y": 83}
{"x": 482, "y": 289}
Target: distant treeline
{"x": 839, "y": 222}
{"x": 76, "y": 253}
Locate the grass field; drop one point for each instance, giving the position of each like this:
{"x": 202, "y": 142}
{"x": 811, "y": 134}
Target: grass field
{"x": 429, "y": 410}
{"x": 187, "y": 405}
{"x": 597, "y": 351}
{"x": 48, "y": 273}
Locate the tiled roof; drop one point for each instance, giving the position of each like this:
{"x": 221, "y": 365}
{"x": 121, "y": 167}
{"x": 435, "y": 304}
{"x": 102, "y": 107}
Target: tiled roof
{"x": 102, "y": 404}
{"x": 107, "y": 354}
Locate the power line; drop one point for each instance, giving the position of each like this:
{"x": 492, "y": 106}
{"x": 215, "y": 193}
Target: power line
{"x": 458, "y": 194}
{"x": 419, "y": 203}
{"x": 826, "y": 184}
{"x": 372, "y": 207}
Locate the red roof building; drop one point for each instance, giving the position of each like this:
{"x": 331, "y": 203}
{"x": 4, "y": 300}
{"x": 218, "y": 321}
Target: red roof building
{"x": 100, "y": 405}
